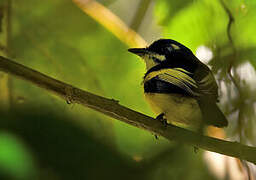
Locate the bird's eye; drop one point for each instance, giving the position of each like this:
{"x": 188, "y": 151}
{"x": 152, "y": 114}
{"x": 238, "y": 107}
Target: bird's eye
{"x": 156, "y": 60}
{"x": 169, "y": 49}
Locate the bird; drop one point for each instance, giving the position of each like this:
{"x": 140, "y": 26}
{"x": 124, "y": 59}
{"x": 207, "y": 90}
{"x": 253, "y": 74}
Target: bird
{"x": 179, "y": 88}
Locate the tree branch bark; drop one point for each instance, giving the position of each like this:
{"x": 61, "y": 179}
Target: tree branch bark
{"x": 112, "y": 108}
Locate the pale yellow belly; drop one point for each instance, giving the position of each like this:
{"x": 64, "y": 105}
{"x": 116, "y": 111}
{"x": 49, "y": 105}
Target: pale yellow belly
{"x": 179, "y": 110}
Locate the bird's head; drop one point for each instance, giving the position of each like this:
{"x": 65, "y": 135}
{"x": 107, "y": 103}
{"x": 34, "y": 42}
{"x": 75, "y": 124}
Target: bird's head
{"x": 162, "y": 50}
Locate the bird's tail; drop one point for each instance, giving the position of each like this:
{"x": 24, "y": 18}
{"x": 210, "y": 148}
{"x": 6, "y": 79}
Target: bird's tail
{"x": 212, "y": 115}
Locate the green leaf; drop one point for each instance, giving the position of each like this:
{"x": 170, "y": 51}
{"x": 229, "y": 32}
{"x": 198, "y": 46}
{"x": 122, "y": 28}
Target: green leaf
{"x": 15, "y": 159}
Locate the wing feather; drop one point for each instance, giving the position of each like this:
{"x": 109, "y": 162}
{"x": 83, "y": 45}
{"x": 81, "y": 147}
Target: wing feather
{"x": 176, "y": 76}
{"x": 206, "y": 82}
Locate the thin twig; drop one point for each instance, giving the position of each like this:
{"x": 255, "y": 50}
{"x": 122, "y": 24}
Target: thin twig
{"x": 237, "y": 85}
{"x": 231, "y": 20}
{"x": 232, "y": 78}
{"x": 111, "y": 108}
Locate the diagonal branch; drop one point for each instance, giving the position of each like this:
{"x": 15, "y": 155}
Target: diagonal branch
{"x": 111, "y": 22}
{"x": 111, "y": 108}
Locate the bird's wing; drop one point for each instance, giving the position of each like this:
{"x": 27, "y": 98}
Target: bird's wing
{"x": 208, "y": 89}
{"x": 207, "y": 86}
{"x": 176, "y": 76}
{"x": 201, "y": 84}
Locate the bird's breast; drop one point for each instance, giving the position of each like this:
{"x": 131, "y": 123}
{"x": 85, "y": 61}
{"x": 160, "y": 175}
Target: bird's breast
{"x": 179, "y": 109}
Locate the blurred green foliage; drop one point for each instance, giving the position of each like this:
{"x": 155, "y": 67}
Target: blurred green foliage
{"x": 15, "y": 159}
{"x": 42, "y": 137}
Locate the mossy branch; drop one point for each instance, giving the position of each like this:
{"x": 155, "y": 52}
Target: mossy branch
{"x": 112, "y": 108}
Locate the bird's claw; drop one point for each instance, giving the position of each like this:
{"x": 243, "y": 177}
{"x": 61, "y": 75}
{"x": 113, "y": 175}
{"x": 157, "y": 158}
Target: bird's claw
{"x": 161, "y": 118}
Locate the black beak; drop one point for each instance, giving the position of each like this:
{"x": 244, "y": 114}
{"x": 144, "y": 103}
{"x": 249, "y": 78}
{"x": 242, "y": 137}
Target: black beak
{"x": 138, "y": 51}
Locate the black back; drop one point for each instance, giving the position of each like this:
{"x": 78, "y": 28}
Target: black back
{"x": 175, "y": 58}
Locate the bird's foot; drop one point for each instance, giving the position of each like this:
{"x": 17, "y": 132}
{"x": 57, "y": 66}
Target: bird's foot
{"x": 161, "y": 117}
